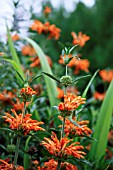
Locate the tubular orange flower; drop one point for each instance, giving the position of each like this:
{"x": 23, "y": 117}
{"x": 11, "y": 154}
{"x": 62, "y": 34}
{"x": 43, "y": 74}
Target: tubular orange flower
{"x": 71, "y": 129}
{"x": 6, "y": 166}
{"x": 63, "y": 148}
{"x": 52, "y": 164}
{"x": 99, "y": 96}
{"x": 106, "y": 75}
{"x": 71, "y": 102}
{"x": 24, "y": 124}
{"x": 80, "y": 39}
{"x": 26, "y": 93}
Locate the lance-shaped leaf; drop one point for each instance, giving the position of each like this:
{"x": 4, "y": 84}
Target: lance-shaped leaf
{"x": 89, "y": 84}
{"x": 14, "y": 54}
{"x": 26, "y": 159}
{"x": 102, "y": 126}
{"x": 34, "y": 78}
{"x": 17, "y": 69}
{"x": 79, "y": 78}
{"x": 50, "y": 84}
{"x": 51, "y": 76}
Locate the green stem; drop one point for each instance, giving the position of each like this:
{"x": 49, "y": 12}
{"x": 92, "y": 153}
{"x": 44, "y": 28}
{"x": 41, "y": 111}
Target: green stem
{"x": 59, "y": 163}
{"x": 17, "y": 151}
{"x": 63, "y": 124}
{"x": 66, "y": 70}
{"x": 24, "y": 110}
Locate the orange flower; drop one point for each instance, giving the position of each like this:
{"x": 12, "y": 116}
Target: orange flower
{"x": 71, "y": 102}
{"x": 80, "y": 39}
{"x": 36, "y": 61}
{"x": 28, "y": 50}
{"x": 106, "y": 75}
{"x": 26, "y": 93}
{"x": 82, "y": 64}
{"x": 15, "y": 37}
{"x": 99, "y": 96}
{"x": 1, "y": 53}
{"x": 60, "y": 148}
{"x": 18, "y": 105}
{"x": 22, "y": 123}
{"x": 62, "y": 59}
{"x": 47, "y": 10}
{"x": 52, "y": 164}
{"x": 6, "y": 97}
{"x": 71, "y": 129}
{"x": 37, "y": 26}
{"x": 6, "y": 166}
{"x": 46, "y": 28}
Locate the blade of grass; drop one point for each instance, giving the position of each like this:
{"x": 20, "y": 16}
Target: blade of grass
{"x": 14, "y": 54}
{"x": 17, "y": 69}
{"x": 26, "y": 160}
{"x": 50, "y": 84}
{"x": 90, "y": 82}
{"x": 102, "y": 126}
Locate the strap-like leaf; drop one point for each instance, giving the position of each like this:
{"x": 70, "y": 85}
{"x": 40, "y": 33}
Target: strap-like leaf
{"x": 79, "y": 78}
{"x": 51, "y": 76}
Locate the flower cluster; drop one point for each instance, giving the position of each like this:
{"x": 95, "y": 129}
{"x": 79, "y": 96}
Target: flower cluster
{"x": 52, "y": 164}
{"x": 80, "y": 39}
{"x": 71, "y": 102}
{"x": 46, "y": 28}
{"x": 22, "y": 123}
{"x": 72, "y": 129}
{"x": 63, "y": 148}
{"x": 9, "y": 166}
{"x": 26, "y": 93}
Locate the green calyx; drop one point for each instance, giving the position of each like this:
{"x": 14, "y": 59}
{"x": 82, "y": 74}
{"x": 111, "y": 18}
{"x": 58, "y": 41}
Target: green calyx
{"x": 66, "y": 80}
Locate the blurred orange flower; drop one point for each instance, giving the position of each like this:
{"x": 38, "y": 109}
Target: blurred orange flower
{"x": 46, "y": 28}
{"x": 6, "y": 97}
{"x": 47, "y": 10}
{"x": 28, "y": 50}
{"x": 80, "y": 39}
{"x": 15, "y": 37}
{"x": 106, "y": 75}
{"x": 70, "y": 128}
{"x": 63, "y": 148}
{"x": 99, "y": 96}
{"x": 71, "y": 102}
{"x": 22, "y": 123}
{"x": 82, "y": 64}
{"x": 36, "y": 61}
{"x": 52, "y": 165}
{"x": 9, "y": 166}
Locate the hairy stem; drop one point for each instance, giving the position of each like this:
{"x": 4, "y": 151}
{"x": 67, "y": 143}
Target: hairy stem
{"x": 17, "y": 151}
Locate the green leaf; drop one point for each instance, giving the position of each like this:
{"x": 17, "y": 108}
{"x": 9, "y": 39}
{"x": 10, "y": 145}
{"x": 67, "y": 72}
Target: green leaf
{"x": 17, "y": 69}
{"x": 50, "y": 84}
{"x": 51, "y": 76}
{"x": 79, "y": 78}
{"x": 26, "y": 160}
{"x": 6, "y": 129}
{"x": 89, "y": 84}
{"x": 34, "y": 78}
{"x": 73, "y": 48}
{"x": 14, "y": 54}
{"x": 102, "y": 126}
